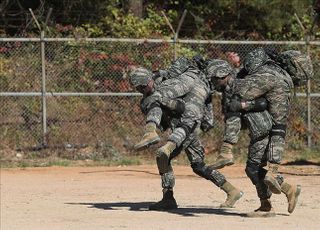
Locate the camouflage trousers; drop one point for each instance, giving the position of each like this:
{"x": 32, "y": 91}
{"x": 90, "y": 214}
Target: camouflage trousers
{"x": 259, "y": 125}
{"x": 195, "y": 154}
{"x": 257, "y": 160}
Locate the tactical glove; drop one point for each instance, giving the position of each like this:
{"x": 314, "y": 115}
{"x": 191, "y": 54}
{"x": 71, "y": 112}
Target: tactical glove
{"x": 257, "y": 105}
{"x": 206, "y": 126}
{"x": 156, "y": 74}
{"x": 174, "y": 105}
{"x": 235, "y": 105}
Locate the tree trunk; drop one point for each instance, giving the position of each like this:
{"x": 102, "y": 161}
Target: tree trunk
{"x": 136, "y": 7}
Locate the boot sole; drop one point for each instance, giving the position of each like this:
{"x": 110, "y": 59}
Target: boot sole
{"x": 162, "y": 162}
{"x": 296, "y": 195}
{"x": 147, "y": 144}
{"x": 272, "y": 184}
{"x": 222, "y": 164}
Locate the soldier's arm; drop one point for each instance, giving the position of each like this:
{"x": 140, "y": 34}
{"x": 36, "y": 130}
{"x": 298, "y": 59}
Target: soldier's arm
{"x": 153, "y": 113}
{"x": 253, "y": 86}
{"x": 257, "y": 105}
{"x": 169, "y": 91}
{"x": 207, "y": 120}
{"x": 232, "y": 128}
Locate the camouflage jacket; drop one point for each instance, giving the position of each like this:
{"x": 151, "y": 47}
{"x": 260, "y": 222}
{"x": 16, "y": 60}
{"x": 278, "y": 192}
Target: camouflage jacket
{"x": 187, "y": 87}
{"x": 271, "y": 82}
{"x": 258, "y": 123}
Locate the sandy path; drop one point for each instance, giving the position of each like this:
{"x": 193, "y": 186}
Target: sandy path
{"x": 117, "y": 198}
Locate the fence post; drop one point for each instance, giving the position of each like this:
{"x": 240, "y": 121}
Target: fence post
{"x": 309, "y": 126}
{"x": 307, "y": 42}
{"x": 43, "y": 90}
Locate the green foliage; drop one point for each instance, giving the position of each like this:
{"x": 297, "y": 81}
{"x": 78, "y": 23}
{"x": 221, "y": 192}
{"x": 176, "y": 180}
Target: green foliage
{"x": 118, "y": 23}
{"x": 219, "y": 19}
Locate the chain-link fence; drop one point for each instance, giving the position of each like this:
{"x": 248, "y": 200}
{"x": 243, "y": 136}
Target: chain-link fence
{"x": 75, "y": 93}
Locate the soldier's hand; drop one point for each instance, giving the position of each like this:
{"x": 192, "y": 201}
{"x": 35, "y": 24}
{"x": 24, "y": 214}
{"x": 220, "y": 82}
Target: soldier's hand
{"x": 175, "y": 105}
{"x": 206, "y": 126}
{"x": 235, "y": 105}
{"x": 149, "y": 101}
{"x": 257, "y": 105}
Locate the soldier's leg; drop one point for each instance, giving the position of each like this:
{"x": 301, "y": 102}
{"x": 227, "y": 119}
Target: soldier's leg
{"x": 292, "y": 192}
{"x": 168, "y": 201}
{"x": 174, "y": 143}
{"x": 231, "y": 135}
{"x": 150, "y": 136}
{"x": 195, "y": 153}
{"x": 256, "y": 173}
{"x": 279, "y": 109}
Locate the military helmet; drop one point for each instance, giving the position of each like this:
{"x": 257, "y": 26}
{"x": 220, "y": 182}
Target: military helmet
{"x": 254, "y": 59}
{"x": 140, "y": 77}
{"x": 218, "y": 68}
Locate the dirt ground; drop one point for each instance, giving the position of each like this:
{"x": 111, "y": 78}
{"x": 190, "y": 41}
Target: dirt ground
{"x": 117, "y": 198}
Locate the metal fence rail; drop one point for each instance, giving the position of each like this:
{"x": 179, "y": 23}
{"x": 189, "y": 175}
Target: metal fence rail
{"x": 63, "y": 91}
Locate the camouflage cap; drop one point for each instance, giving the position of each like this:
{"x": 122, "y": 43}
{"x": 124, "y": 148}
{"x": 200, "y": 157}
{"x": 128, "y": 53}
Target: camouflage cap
{"x": 218, "y": 68}
{"x": 254, "y": 59}
{"x": 140, "y": 77}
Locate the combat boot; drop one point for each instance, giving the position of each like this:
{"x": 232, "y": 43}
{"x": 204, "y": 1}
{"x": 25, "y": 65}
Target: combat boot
{"x": 168, "y": 202}
{"x": 270, "y": 178}
{"x": 162, "y": 156}
{"x": 265, "y": 210}
{"x": 225, "y": 157}
{"x": 150, "y": 137}
{"x": 292, "y": 193}
{"x": 233, "y": 195}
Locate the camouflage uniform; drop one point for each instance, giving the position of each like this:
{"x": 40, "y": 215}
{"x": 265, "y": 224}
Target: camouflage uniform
{"x": 194, "y": 91}
{"x": 177, "y": 68}
{"x": 260, "y": 125}
{"x": 267, "y": 79}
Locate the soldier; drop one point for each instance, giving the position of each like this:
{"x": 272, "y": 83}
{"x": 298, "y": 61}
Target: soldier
{"x": 268, "y": 79}
{"x": 178, "y": 67}
{"x": 194, "y": 92}
{"x": 259, "y": 122}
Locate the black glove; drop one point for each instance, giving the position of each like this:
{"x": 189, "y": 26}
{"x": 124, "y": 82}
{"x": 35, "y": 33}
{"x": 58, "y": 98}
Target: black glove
{"x": 242, "y": 73}
{"x": 235, "y": 105}
{"x": 156, "y": 74}
{"x": 201, "y": 63}
{"x": 177, "y": 105}
{"x": 257, "y": 105}
{"x": 205, "y": 126}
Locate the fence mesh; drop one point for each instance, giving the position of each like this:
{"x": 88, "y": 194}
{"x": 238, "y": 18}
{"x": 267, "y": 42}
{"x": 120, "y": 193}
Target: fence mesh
{"x": 114, "y": 122}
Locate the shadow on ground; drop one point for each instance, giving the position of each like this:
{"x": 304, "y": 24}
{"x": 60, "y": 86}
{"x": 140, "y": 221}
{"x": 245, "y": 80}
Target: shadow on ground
{"x": 302, "y": 162}
{"x": 143, "y": 206}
